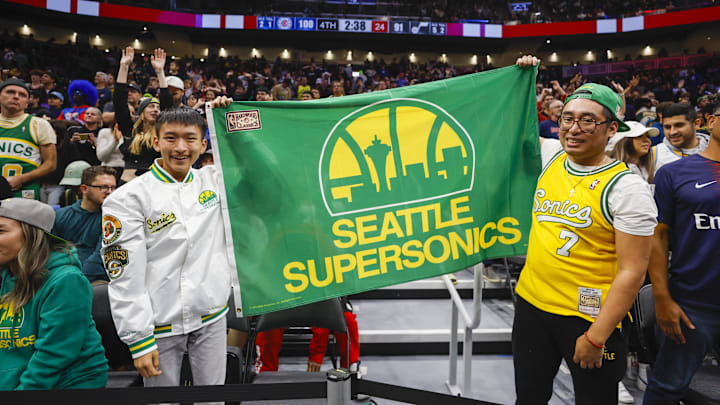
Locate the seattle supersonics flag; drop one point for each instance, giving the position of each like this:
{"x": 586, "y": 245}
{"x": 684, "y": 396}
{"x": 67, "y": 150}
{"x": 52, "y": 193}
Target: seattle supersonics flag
{"x": 336, "y": 196}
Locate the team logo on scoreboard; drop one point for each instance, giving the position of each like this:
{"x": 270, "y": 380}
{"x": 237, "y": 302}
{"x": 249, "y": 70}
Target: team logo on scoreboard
{"x": 284, "y": 23}
{"x": 394, "y": 152}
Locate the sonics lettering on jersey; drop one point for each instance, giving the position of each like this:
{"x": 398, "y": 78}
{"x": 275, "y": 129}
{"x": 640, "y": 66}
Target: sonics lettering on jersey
{"x": 563, "y": 212}
{"x": 163, "y": 222}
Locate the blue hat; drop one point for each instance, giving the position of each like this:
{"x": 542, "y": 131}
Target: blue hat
{"x": 86, "y": 88}
{"x": 57, "y": 94}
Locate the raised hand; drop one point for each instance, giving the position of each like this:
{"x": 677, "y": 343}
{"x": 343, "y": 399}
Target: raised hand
{"x": 527, "y": 61}
{"x": 128, "y": 55}
{"x": 157, "y": 60}
{"x": 634, "y": 82}
{"x": 618, "y": 87}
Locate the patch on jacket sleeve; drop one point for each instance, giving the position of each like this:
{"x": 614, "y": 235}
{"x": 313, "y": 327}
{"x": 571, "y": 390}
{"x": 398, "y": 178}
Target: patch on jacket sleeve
{"x": 111, "y": 228}
{"x": 115, "y": 258}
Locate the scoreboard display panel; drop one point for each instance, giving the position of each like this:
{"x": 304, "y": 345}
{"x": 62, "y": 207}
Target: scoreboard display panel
{"x": 420, "y": 27}
{"x": 380, "y": 26}
{"x": 399, "y": 27}
{"x": 284, "y": 23}
{"x": 353, "y": 25}
{"x": 265, "y": 23}
{"x": 305, "y": 24}
{"x": 438, "y": 29}
{"x": 327, "y": 24}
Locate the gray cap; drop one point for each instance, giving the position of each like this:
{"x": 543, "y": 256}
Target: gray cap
{"x": 31, "y": 212}
{"x": 73, "y": 173}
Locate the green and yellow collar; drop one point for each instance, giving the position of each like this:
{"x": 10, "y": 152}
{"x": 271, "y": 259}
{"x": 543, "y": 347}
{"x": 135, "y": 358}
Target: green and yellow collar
{"x": 160, "y": 173}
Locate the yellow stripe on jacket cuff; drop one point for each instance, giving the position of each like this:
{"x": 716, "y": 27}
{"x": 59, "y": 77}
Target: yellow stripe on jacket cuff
{"x": 143, "y": 347}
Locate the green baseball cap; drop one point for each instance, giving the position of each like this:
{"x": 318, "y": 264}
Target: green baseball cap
{"x": 604, "y": 96}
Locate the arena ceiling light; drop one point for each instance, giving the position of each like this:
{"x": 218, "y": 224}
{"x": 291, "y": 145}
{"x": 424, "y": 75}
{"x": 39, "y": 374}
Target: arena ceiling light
{"x": 548, "y": 41}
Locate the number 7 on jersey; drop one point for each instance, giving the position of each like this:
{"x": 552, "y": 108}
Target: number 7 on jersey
{"x": 572, "y": 238}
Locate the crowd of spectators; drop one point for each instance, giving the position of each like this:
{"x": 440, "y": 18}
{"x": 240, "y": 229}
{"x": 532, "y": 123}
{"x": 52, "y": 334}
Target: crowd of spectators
{"x": 495, "y": 11}
{"x": 109, "y": 119}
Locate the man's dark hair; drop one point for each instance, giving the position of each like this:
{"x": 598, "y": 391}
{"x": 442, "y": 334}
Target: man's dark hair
{"x": 660, "y": 109}
{"x": 609, "y": 116}
{"x": 89, "y": 174}
{"x": 716, "y": 108}
{"x": 684, "y": 109}
{"x": 182, "y": 116}
{"x": 710, "y": 108}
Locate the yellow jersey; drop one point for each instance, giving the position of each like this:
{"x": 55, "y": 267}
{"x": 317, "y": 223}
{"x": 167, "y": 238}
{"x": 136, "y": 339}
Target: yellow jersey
{"x": 571, "y": 258}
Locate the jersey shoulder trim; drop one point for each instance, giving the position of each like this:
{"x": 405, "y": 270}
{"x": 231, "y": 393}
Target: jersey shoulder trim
{"x": 604, "y": 204}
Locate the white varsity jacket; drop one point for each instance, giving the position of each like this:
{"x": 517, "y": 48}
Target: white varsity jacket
{"x": 165, "y": 252}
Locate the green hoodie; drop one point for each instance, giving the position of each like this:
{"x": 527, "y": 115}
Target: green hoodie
{"x": 52, "y": 342}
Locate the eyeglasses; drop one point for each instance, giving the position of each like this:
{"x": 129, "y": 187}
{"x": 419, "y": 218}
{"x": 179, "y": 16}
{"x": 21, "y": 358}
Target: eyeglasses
{"x": 586, "y": 124}
{"x": 103, "y": 188}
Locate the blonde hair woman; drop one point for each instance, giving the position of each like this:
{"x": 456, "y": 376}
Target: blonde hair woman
{"x": 136, "y": 145}
{"x": 45, "y": 302}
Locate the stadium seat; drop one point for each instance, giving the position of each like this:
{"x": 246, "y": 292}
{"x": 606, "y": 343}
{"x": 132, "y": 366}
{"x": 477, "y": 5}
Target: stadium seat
{"x": 324, "y": 314}
{"x": 703, "y": 388}
{"x": 122, "y": 372}
{"x": 644, "y": 313}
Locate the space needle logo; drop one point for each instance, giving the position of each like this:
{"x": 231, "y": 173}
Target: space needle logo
{"x": 394, "y": 152}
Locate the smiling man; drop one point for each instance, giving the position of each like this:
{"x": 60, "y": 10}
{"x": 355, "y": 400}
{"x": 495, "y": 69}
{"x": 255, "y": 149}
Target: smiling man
{"x": 687, "y": 303}
{"x": 679, "y": 122}
{"x": 587, "y": 255}
{"x": 163, "y": 238}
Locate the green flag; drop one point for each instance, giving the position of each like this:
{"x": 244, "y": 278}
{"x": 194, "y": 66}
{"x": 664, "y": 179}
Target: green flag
{"x": 336, "y": 196}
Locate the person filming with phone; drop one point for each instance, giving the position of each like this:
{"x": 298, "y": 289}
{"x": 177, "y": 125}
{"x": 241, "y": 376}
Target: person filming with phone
{"x": 85, "y": 137}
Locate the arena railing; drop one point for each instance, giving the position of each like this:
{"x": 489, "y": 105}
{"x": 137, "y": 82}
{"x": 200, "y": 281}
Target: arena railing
{"x": 469, "y": 323}
{"x": 672, "y": 62}
{"x": 339, "y": 388}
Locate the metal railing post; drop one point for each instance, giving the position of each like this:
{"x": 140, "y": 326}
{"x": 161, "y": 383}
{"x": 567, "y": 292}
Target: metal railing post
{"x": 452, "y": 381}
{"x": 469, "y": 324}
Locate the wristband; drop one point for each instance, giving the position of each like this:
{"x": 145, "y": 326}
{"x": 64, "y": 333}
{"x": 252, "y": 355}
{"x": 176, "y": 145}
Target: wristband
{"x": 591, "y": 342}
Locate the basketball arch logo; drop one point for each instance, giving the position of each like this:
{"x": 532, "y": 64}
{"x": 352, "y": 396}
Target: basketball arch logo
{"x": 394, "y": 152}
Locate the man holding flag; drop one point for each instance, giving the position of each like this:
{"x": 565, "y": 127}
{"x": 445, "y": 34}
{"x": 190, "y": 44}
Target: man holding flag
{"x": 587, "y": 255}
